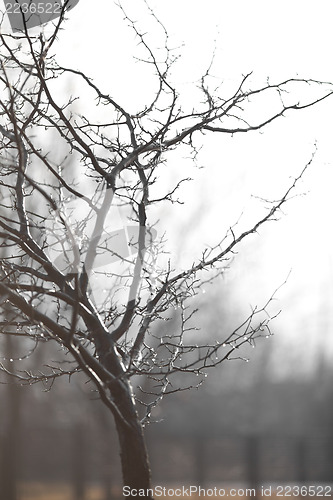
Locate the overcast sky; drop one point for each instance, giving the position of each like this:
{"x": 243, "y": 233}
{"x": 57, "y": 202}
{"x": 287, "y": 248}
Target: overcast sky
{"x": 277, "y": 40}
{"x": 272, "y": 39}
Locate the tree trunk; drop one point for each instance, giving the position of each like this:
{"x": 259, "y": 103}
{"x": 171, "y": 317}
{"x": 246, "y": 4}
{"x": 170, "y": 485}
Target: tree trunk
{"x": 134, "y": 460}
{"x": 133, "y": 450}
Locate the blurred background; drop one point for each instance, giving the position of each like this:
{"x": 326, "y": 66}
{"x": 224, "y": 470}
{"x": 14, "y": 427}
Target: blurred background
{"x": 265, "y": 421}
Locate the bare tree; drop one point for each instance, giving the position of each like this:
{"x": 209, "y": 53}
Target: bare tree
{"x": 71, "y": 274}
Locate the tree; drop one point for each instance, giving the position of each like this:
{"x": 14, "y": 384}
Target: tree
{"x": 70, "y": 274}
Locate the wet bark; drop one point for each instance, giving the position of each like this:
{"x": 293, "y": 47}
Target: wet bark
{"x": 133, "y": 451}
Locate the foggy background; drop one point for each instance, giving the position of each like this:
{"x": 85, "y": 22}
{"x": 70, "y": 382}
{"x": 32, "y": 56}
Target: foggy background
{"x": 268, "y": 420}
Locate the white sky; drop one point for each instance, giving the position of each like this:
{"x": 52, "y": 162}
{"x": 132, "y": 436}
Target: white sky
{"x": 276, "y": 39}
{"x": 280, "y": 40}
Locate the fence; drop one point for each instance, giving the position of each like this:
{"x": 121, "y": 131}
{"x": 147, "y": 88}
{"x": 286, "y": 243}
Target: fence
{"x": 77, "y": 457}
{"x": 248, "y": 459}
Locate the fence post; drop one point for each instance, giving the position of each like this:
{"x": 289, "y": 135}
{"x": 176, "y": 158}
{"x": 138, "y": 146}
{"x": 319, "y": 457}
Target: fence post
{"x": 8, "y": 484}
{"x": 107, "y": 487}
{"x": 199, "y": 460}
{"x": 301, "y": 459}
{"x": 9, "y": 452}
{"x": 79, "y": 462}
{"x": 252, "y": 462}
